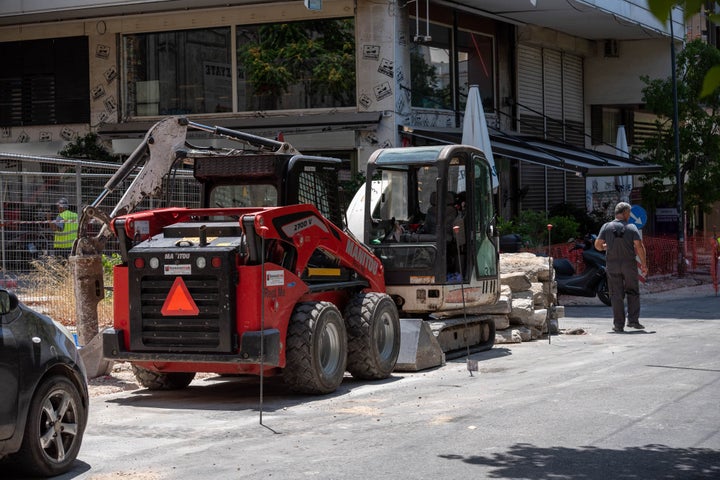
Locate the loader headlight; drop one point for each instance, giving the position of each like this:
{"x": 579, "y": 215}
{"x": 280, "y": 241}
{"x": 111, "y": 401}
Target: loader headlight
{"x": 154, "y": 262}
{"x": 200, "y": 262}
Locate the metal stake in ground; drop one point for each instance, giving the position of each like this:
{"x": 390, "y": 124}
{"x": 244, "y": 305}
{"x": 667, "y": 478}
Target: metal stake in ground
{"x": 550, "y": 277}
{"x": 472, "y": 365}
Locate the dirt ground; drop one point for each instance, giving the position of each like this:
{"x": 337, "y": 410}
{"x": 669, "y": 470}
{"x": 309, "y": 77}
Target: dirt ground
{"x": 122, "y": 379}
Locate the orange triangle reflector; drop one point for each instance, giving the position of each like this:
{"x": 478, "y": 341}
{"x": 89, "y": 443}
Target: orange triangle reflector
{"x": 179, "y": 301}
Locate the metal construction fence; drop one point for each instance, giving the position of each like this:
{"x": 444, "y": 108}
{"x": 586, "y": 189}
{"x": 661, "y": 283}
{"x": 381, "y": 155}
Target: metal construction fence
{"x": 30, "y": 188}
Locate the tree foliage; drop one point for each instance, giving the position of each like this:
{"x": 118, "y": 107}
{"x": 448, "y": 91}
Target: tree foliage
{"x": 88, "y": 147}
{"x": 699, "y": 131}
{"x": 661, "y": 9}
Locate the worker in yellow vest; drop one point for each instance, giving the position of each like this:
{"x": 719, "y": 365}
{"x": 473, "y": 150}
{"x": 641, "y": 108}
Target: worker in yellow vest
{"x": 65, "y": 227}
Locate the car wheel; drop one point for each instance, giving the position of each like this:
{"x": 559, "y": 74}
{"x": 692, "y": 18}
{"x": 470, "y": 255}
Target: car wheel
{"x": 54, "y": 430}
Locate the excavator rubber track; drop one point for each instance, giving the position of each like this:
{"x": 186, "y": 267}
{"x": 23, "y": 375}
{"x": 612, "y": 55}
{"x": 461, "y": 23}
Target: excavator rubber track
{"x": 457, "y": 336}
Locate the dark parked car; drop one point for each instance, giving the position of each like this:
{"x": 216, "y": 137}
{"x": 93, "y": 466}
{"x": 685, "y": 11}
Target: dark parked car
{"x": 43, "y": 392}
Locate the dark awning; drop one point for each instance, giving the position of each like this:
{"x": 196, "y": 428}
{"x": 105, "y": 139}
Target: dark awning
{"x": 314, "y": 123}
{"x": 588, "y": 163}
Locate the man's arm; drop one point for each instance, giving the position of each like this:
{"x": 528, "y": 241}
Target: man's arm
{"x": 58, "y": 224}
{"x": 600, "y": 244}
{"x": 640, "y": 252}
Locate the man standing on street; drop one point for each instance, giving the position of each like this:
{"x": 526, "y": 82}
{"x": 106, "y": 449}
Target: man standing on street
{"x": 622, "y": 242}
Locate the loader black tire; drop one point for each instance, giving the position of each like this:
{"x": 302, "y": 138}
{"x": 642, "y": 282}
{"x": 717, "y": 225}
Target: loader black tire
{"x": 162, "y": 381}
{"x": 373, "y": 329}
{"x": 316, "y": 352}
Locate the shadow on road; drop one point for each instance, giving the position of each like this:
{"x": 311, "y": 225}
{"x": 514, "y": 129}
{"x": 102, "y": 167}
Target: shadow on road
{"x": 524, "y": 460}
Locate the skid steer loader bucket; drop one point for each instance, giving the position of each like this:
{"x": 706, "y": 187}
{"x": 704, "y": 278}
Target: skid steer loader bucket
{"x": 419, "y": 349}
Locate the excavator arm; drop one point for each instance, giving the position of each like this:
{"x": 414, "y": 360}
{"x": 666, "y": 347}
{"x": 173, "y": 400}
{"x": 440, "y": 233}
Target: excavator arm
{"x": 163, "y": 145}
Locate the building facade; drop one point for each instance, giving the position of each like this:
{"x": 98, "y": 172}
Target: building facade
{"x": 345, "y": 77}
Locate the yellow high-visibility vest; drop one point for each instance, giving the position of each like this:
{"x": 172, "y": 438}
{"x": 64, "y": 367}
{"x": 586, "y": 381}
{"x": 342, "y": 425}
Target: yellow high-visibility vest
{"x": 66, "y": 237}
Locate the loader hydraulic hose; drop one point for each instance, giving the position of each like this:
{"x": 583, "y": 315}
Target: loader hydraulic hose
{"x": 249, "y": 138}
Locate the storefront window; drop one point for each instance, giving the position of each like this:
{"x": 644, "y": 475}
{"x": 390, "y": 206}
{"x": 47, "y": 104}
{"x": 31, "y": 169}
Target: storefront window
{"x": 280, "y": 66}
{"x": 298, "y": 65}
{"x": 178, "y": 73}
{"x": 432, "y": 75}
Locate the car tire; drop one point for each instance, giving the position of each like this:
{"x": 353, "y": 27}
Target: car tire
{"x": 54, "y": 429}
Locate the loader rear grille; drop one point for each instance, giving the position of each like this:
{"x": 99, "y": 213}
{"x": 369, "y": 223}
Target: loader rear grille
{"x": 209, "y": 331}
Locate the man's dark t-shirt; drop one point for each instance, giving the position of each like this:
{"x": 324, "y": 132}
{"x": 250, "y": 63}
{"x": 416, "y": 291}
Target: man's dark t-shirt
{"x": 620, "y": 239}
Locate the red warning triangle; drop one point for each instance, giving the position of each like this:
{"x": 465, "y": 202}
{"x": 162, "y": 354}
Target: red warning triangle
{"x": 179, "y": 301}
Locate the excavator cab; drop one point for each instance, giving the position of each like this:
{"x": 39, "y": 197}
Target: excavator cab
{"x": 428, "y": 216}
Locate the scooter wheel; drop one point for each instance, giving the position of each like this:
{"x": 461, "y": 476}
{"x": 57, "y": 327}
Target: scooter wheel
{"x": 603, "y": 293}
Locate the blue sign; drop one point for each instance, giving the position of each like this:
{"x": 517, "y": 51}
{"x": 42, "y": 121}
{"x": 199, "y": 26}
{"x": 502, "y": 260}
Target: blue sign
{"x": 638, "y": 216}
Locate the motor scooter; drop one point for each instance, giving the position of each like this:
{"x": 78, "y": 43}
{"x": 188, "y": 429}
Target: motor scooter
{"x": 591, "y": 282}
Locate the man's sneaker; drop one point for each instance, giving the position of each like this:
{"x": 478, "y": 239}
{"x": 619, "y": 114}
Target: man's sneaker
{"x": 618, "y": 330}
{"x": 636, "y": 325}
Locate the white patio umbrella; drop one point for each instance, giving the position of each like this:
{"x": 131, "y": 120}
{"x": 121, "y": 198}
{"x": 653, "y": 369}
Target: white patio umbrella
{"x": 475, "y": 129}
{"x": 622, "y": 150}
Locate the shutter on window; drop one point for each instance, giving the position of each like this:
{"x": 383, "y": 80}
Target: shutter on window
{"x": 530, "y": 90}
{"x": 532, "y": 177}
{"x": 573, "y": 102}
{"x": 553, "y": 94}
{"x": 596, "y": 126}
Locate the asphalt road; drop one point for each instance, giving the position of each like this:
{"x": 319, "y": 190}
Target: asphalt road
{"x": 640, "y": 405}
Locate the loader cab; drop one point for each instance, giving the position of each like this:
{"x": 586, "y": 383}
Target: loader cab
{"x": 270, "y": 180}
{"x": 429, "y": 215}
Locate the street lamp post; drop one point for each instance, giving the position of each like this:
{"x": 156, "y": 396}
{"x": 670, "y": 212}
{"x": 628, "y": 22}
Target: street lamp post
{"x": 678, "y": 170}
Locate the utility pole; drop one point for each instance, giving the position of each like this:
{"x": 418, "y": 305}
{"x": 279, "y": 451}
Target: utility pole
{"x": 678, "y": 169}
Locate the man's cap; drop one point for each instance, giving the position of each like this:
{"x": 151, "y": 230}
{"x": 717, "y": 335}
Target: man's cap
{"x": 62, "y": 203}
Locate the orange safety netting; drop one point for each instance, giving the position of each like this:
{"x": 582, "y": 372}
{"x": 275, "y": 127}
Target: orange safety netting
{"x": 702, "y": 254}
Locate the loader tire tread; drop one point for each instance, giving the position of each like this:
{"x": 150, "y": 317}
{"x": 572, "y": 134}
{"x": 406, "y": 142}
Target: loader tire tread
{"x": 373, "y": 329}
{"x": 162, "y": 381}
{"x": 316, "y": 352}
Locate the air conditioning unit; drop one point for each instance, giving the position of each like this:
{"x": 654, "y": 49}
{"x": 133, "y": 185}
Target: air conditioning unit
{"x": 611, "y": 48}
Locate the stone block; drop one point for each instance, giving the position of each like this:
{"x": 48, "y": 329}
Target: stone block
{"x": 501, "y": 322}
{"x": 517, "y": 281}
{"x": 507, "y": 336}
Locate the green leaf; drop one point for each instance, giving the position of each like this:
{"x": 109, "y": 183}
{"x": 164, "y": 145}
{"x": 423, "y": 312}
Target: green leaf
{"x": 711, "y": 82}
{"x": 661, "y": 9}
{"x": 692, "y": 7}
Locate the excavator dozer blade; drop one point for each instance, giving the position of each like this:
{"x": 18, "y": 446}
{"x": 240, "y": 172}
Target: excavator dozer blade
{"x": 427, "y": 344}
{"x": 419, "y": 349}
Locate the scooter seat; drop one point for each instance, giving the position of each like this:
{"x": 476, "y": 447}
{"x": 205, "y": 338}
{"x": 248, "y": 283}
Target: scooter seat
{"x": 563, "y": 267}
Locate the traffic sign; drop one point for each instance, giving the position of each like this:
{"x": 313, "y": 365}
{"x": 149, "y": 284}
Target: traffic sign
{"x": 179, "y": 302}
{"x": 638, "y": 216}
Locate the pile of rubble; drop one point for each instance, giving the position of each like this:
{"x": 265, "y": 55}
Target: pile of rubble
{"x": 527, "y": 308}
